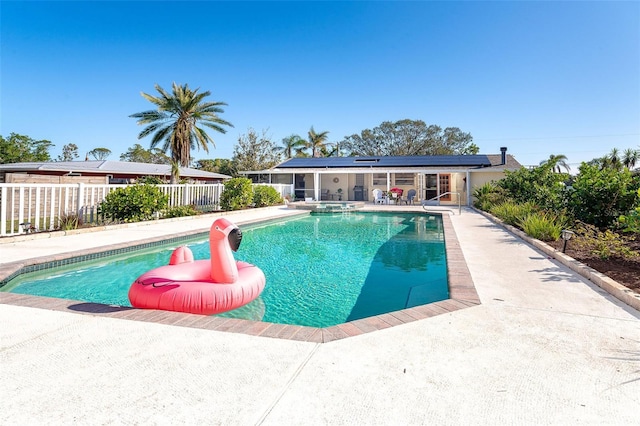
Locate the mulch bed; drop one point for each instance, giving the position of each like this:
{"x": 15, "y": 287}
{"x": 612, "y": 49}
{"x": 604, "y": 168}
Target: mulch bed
{"x": 624, "y": 271}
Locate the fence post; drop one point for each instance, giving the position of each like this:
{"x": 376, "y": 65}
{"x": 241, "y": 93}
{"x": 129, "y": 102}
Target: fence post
{"x": 3, "y": 210}
{"x": 80, "y": 200}
{"x": 185, "y": 194}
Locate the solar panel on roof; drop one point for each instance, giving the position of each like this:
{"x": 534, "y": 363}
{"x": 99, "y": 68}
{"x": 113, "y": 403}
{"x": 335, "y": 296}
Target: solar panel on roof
{"x": 401, "y": 161}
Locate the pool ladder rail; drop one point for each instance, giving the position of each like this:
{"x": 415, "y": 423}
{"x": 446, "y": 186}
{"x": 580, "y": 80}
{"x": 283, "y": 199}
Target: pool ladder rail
{"x": 425, "y": 203}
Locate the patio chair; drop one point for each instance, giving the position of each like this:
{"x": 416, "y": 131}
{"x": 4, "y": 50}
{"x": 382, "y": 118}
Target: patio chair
{"x": 411, "y": 194}
{"x": 324, "y": 195}
{"x": 377, "y": 196}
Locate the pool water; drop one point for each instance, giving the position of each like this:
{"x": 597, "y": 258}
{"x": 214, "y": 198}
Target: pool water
{"x": 321, "y": 269}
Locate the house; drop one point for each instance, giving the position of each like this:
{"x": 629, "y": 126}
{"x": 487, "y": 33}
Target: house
{"x": 97, "y": 172}
{"x": 448, "y": 179}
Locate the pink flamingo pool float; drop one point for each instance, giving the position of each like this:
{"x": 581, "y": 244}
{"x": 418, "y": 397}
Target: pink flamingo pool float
{"x": 204, "y": 287}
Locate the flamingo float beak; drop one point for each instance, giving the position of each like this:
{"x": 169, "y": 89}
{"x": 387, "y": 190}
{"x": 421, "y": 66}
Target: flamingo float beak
{"x": 224, "y": 227}
{"x": 235, "y": 238}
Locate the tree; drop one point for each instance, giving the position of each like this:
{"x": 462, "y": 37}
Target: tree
{"x": 69, "y": 152}
{"x": 612, "y": 160}
{"x": 330, "y": 150}
{"x": 556, "y": 163}
{"x": 138, "y": 154}
{"x": 99, "y": 153}
{"x": 175, "y": 122}
{"x": 630, "y": 158}
{"x": 219, "y": 165}
{"x": 292, "y": 146}
{"x": 471, "y": 149}
{"x": 409, "y": 137}
{"x": 316, "y": 141}
{"x": 254, "y": 152}
{"x": 21, "y": 149}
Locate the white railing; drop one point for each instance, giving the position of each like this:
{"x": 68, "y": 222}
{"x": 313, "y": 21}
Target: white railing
{"x": 26, "y": 207}
{"x": 425, "y": 203}
{"x": 282, "y": 188}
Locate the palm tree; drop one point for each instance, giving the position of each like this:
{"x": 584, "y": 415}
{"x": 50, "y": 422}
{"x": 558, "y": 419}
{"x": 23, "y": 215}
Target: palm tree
{"x": 630, "y": 158}
{"x": 612, "y": 160}
{"x": 330, "y": 150}
{"x": 316, "y": 141}
{"x": 292, "y": 146}
{"x": 556, "y": 163}
{"x": 175, "y": 122}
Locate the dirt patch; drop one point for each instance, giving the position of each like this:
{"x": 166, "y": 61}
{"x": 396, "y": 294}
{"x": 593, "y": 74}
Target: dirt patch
{"x": 624, "y": 271}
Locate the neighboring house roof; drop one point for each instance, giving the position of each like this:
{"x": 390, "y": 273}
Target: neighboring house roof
{"x": 109, "y": 167}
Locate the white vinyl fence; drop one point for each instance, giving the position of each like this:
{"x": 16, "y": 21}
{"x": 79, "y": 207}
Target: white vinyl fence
{"x": 28, "y": 207}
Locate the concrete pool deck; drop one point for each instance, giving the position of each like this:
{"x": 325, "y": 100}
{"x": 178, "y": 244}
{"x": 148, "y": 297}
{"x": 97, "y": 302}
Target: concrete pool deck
{"x": 545, "y": 346}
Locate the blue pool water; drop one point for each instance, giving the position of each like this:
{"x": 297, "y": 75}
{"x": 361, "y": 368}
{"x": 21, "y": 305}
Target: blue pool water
{"x": 321, "y": 270}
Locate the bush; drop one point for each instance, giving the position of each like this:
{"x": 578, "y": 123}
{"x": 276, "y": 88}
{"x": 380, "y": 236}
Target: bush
{"x": 180, "y": 211}
{"x": 512, "y": 213}
{"x": 488, "y": 195}
{"x": 237, "y": 194}
{"x": 631, "y": 221}
{"x": 600, "y": 196}
{"x": 264, "y": 196}
{"x": 539, "y": 185}
{"x": 69, "y": 221}
{"x": 133, "y": 203}
{"x": 604, "y": 244}
{"x": 150, "y": 180}
{"x": 542, "y": 226}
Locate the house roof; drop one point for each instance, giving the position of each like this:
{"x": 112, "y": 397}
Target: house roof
{"x": 481, "y": 163}
{"x": 108, "y": 167}
{"x": 387, "y": 161}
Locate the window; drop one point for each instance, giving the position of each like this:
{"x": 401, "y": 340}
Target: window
{"x": 404, "y": 179}
{"x": 282, "y": 179}
{"x": 379, "y": 179}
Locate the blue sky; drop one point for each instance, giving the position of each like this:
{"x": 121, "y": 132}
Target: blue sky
{"x": 538, "y": 77}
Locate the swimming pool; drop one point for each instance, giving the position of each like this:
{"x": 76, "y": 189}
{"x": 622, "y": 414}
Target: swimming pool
{"x": 321, "y": 270}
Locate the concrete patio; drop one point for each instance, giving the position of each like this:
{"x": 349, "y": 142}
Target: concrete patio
{"x": 545, "y": 346}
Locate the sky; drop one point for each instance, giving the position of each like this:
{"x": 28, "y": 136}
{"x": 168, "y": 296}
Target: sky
{"x": 540, "y": 78}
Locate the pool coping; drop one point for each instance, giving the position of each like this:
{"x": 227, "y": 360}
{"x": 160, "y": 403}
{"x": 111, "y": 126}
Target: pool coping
{"x": 462, "y": 294}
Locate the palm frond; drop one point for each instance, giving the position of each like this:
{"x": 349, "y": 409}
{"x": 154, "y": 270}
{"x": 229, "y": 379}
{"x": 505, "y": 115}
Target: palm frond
{"x": 176, "y": 121}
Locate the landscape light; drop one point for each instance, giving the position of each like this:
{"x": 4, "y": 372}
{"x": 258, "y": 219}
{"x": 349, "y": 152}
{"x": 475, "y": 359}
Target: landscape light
{"x": 566, "y": 236}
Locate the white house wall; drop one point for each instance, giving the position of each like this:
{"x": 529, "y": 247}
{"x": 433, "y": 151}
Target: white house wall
{"x": 318, "y": 181}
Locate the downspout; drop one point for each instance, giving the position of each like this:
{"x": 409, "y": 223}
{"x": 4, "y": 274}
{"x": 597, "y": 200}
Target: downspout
{"x": 468, "y": 188}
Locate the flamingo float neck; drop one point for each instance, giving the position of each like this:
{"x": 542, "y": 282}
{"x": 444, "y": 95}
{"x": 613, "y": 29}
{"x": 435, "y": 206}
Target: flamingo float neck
{"x": 223, "y": 237}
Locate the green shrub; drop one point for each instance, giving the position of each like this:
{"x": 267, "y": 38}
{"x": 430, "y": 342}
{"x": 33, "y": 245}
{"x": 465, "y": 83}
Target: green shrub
{"x": 180, "y": 211}
{"x": 150, "y": 180}
{"x": 539, "y": 185}
{"x": 604, "y": 244}
{"x": 488, "y": 195}
{"x": 600, "y": 196}
{"x": 133, "y": 203}
{"x": 631, "y": 221}
{"x": 512, "y": 213}
{"x": 69, "y": 221}
{"x": 237, "y": 194}
{"x": 264, "y": 196}
{"x": 542, "y": 226}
